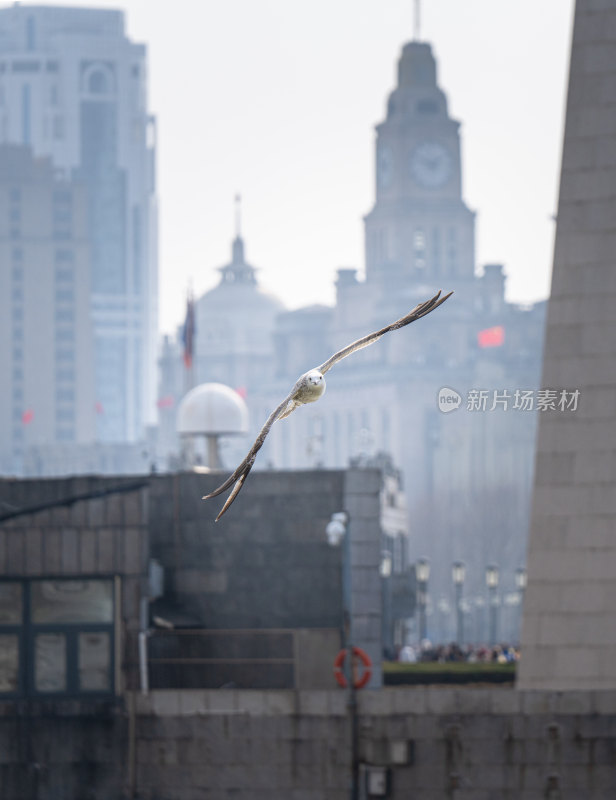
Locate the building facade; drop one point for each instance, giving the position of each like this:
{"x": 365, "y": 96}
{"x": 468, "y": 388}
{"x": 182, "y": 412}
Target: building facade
{"x": 73, "y": 88}
{"x": 46, "y": 341}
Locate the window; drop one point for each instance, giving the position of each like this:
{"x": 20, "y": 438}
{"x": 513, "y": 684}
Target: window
{"x": 65, "y": 296}
{"x": 65, "y": 395}
{"x": 419, "y": 248}
{"x": 64, "y": 276}
{"x": 62, "y": 196}
{"x": 56, "y": 637}
{"x": 65, "y": 355}
{"x": 97, "y": 82}
{"x": 65, "y": 335}
{"x": 26, "y": 66}
{"x": 65, "y": 375}
{"x": 65, "y": 434}
{"x": 58, "y": 127}
{"x": 427, "y": 107}
{"x": 64, "y": 257}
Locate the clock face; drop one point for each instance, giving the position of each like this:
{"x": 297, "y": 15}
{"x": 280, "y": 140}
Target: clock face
{"x": 430, "y": 165}
{"x": 384, "y": 166}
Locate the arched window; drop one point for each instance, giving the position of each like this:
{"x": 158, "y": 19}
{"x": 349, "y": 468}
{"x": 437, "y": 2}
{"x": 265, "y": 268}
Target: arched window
{"x": 97, "y": 82}
{"x": 98, "y": 79}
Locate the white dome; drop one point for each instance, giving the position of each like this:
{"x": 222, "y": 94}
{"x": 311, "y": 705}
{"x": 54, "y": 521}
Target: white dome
{"x": 212, "y": 408}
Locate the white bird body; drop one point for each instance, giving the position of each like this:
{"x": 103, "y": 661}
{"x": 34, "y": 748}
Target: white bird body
{"x": 308, "y": 388}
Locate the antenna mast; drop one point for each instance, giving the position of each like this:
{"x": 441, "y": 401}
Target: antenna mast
{"x": 417, "y": 21}
{"x": 238, "y": 215}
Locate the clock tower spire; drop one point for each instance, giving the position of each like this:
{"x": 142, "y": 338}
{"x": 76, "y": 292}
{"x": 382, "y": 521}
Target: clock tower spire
{"x": 420, "y": 229}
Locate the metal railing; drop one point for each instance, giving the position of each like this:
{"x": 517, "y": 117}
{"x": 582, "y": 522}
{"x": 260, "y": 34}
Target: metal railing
{"x": 211, "y": 659}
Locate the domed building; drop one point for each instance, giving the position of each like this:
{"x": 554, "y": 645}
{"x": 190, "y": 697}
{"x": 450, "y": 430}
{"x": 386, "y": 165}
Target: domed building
{"x": 207, "y": 413}
{"x": 233, "y": 345}
{"x": 234, "y": 327}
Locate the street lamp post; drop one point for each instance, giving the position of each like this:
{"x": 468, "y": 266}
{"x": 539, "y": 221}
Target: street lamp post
{"x": 385, "y": 570}
{"x": 337, "y": 534}
{"x": 422, "y": 574}
{"x": 520, "y": 580}
{"x": 458, "y": 572}
{"x": 520, "y": 583}
{"x": 337, "y": 531}
{"x": 492, "y": 584}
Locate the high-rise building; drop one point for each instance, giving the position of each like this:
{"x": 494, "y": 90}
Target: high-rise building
{"x": 73, "y": 88}
{"x": 47, "y": 395}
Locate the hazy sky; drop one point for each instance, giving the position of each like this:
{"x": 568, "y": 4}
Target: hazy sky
{"x": 277, "y": 100}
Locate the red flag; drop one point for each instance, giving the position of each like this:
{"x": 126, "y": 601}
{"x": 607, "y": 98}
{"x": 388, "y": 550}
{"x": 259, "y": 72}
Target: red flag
{"x": 491, "y": 337}
{"x": 188, "y": 334}
{"x": 98, "y": 407}
{"x": 166, "y": 402}
{"x": 27, "y": 416}
{"x": 242, "y": 391}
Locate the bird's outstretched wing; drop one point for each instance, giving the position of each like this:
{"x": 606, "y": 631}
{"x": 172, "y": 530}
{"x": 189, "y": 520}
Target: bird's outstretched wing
{"x": 284, "y": 409}
{"x": 419, "y": 311}
{"x": 241, "y": 473}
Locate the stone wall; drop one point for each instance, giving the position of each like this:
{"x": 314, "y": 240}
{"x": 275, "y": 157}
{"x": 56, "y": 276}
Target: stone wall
{"x": 267, "y": 563}
{"x": 434, "y": 743}
{"x": 568, "y": 632}
{"x": 85, "y": 527}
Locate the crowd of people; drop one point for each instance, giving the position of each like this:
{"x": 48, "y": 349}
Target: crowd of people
{"x": 471, "y": 654}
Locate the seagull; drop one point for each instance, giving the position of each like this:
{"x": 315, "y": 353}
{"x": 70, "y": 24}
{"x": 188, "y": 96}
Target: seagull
{"x": 308, "y": 389}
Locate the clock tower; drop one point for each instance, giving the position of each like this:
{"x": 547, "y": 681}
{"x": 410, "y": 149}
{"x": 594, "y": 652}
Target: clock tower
{"x": 419, "y": 230}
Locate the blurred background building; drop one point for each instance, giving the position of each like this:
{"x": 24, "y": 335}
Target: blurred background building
{"x": 78, "y": 236}
{"x": 74, "y": 119}
{"x": 467, "y": 474}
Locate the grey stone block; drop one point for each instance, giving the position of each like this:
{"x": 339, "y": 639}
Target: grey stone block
{"x": 3, "y": 546}
{"x": 96, "y": 512}
{"x": 52, "y": 552}
{"x": 165, "y": 702}
{"x": 106, "y": 550}
{"x": 34, "y": 551}
{"x": 70, "y": 550}
{"x": 87, "y": 550}
{"x": 16, "y": 552}
{"x": 132, "y": 541}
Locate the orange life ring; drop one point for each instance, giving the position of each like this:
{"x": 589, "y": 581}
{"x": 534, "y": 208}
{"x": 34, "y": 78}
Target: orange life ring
{"x": 339, "y": 671}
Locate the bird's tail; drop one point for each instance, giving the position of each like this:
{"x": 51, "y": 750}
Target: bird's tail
{"x": 238, "y": 477}
{"x": 238, "y": 485}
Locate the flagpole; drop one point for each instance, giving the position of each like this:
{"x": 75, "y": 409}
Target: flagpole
{"x": 188, "y": 337}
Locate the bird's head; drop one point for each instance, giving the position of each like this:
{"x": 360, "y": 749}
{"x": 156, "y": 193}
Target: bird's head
{"x": 314, "y": 377}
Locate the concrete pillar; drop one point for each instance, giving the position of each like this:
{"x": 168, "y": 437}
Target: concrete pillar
{"x": 569, "y": 621}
